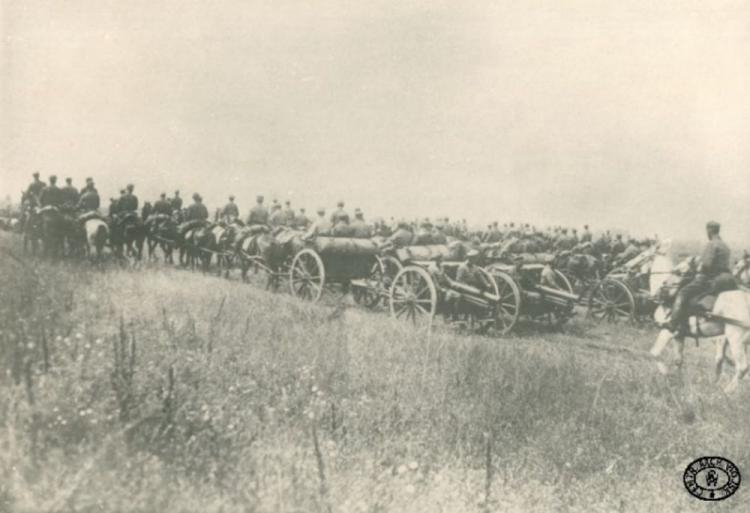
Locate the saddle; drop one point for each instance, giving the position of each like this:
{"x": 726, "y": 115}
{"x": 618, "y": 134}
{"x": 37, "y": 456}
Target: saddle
{"x": 702, "y": 303}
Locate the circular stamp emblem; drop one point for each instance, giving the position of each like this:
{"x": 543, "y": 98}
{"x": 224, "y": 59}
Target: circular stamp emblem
{"x": 712, "y": 478}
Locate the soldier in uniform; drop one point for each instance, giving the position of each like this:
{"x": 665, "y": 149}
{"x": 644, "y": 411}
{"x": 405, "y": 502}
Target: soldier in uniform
{"x": 714, "y": 276}
{"x": 586, "y": 235}
{"x": 618, "y": 246}
{"x": 403, "y": 236}
{"x": 52, "y": 194}
{"x": 146, "y": 210}
{"x": 89, "y": 200}
{"x": 359, "y": 228}
{"x": 339, "y": 214}
{"x": 230, "y": 212}
{"x": 176, "y": 202}
{"x": 321, "y": 225}
{"x": 277, "y": 216}
{"x": 34, "y": 190}
{"x": 258, "y": 214}
{"x": 301, "y": 221}
{"x": 70, "y": 194}
{"x": 128, "y": 201}
{"x": 197, "y": 211}
{"x": 289, "y": 213}
{"x": 162, "y": 205}
{"x": 114, "y": 207}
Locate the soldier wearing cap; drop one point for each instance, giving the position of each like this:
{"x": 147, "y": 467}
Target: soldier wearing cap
{"x": 586, "y": 235}
{"x": 469, "y": 273}
{"x": 230, "y": 210}
{"x": 403, "y": 236}
{"x": 52, "y": 194}
{"x": 714, "y": 275}
{"x": 129, "y": 201}
{"x": 89, "y": 186}
{"x": 321, "y": 225}
{"x": 89, "y": 200}
{"x": 359, "y": 228}
{"x": 340, "y": 214}
{"x": 69, "y": 194}
{"x": 197, "y": 211}
{"x": 259, "y": 213}
{"x": 278, "y": 218}
{"x": 162, "y": 205}
{"x": 289, "y": 213}
{"x": 176, "y": 202}
{"x": 301, "y": 221}
{"x": 34, "y": 189}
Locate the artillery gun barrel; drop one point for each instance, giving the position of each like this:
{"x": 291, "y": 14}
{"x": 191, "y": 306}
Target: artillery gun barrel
{"x": 562, "y": 294}
{"x": 468, "y": 290}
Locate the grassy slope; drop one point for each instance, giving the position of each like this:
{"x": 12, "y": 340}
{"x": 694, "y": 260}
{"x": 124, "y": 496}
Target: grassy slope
{"x": 403, "y": 422}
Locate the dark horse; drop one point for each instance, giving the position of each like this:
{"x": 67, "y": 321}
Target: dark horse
{"x": 57, "y": 227}
{"x": 200, "y": 244}
{"x": 127, "y": 235}
{"x": 161, "y": 231}
{"x": 33, "y": 230}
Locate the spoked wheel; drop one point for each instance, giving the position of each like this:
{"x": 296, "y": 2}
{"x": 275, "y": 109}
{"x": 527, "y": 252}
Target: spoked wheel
{"x": 369, "y": 293}
{"x": 490, "y": 317}
{"x": 413, "y": 295}
{"x": 611, "y": 301}
{"x": 307, "y": 275}
{"x": 563, "y": 283}
{"x": 509, "y": 304}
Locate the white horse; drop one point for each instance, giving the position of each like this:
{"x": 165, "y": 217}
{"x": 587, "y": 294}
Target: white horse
{"x": 97, "y": 233}
{"x": 728, "y": 324}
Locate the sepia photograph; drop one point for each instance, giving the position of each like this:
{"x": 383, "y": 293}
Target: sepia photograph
{"x": 274, "y": 256}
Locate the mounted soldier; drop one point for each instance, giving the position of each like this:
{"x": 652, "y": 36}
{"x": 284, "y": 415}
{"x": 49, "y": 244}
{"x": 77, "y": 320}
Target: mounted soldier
{"x": 129, "y": 201}
{"x": 586, "y": 235}
{"x": 403, "y": 236}
{"x": 230, "y": 212}
{"x": 277, "y": 218}
{"x": 289, "y": 213}
{"x": 162, "y": 206}
{"x": 70, "y": 194}
{"x": 34, "y": 190}
{"x": 51, "y": 195}
{"x": 258, "y": 214}
{"x": 301, "y": 221}
{"x": 714, "y": 275}
{"x": 176, "y": 202}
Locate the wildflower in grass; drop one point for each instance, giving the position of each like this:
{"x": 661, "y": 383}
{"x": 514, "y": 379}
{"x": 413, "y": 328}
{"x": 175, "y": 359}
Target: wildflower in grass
{"x": 401, "y": 469}
{"x": 413, "y": 465}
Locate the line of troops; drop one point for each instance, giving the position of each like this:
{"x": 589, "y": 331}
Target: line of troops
{"x": 338, "y": 224}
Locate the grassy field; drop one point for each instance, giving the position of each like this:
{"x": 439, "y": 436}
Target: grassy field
{"x": 159, "y": 390}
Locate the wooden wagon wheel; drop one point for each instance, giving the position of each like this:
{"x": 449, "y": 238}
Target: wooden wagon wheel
{"x": 370, "y": 295}
{"x": 413, "y": 295}
{"x": 307, "y": 275}
{"x": 563, "y": 282}
{"x": 509, "y": 305}
{"x": 494, "y": 312}
{"x": 611, "y": 300}
{"x": 391, "y": 267}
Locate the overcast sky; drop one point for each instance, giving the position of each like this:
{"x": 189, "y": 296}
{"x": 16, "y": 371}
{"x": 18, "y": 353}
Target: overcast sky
{"x": 627, "y": 114}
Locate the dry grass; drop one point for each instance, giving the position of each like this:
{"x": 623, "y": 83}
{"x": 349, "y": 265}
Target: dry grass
{"x": 161, "y": 390}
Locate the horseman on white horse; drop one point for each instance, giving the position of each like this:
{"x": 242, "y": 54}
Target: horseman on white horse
{"x": 700, "y": 300}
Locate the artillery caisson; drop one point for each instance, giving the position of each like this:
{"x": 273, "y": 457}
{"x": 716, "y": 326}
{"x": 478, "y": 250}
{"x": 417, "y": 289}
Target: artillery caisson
{"x": 326, "y": 262}
{"x": 424, "y": 288}
{"x": 624, "y": 295}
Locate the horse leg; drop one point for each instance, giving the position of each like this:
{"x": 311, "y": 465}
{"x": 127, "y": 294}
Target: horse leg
{"x": 720, "y": 346}
{"x": 664, "y": 337}
{"x": 737, "y": 338}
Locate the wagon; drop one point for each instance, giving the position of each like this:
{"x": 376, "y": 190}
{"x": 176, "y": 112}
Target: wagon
{"x": 326, "y": 262}
{"x": 624, "y": 294}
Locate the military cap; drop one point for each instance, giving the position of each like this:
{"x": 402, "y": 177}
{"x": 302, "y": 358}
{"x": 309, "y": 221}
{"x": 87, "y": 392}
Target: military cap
{"x": 288, "y": 202}
{"x": 36, "y": 174}
{"x": 68, "y": 179}
{"x": 321, "y": 210}
{"x": 89, "y": 179}
{"x": 259, "y": 198}
{"x": 122, "y": 191}
{"x": 713, "y": 225}
{"x": 196, "y": 196}
{"x": 231, "y": 197}
{"x": 163, "y": 195}
{"x": 130, "y": 187}
{"x": 340, "y": 204}
{"x": 53, "y": 178}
